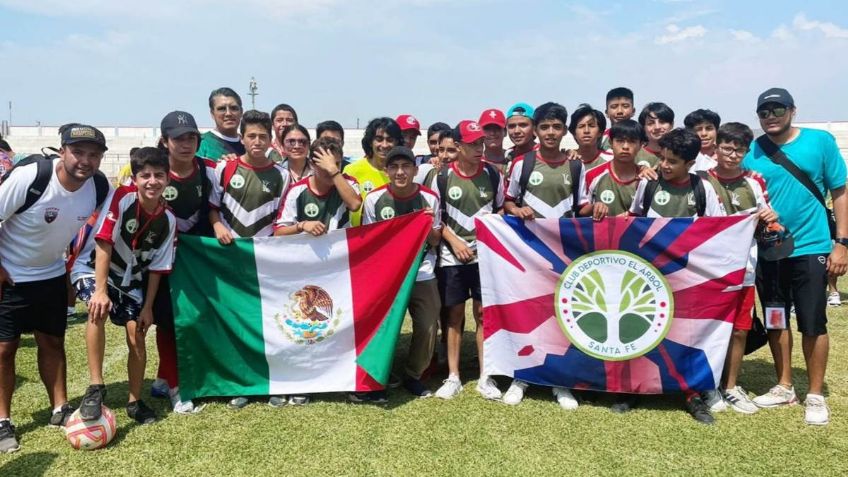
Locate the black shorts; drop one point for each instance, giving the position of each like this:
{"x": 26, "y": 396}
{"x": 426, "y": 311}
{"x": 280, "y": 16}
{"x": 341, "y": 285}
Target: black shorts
{"x": 459, "y": 283}
{"x": 124, "y": 307}
{"x": 163, "y": 313}
{"x": 34, "y": 306}
{"x": 799, "y": 281}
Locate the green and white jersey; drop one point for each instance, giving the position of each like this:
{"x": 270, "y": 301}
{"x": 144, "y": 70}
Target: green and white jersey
{"x": 739, "y": 195}
{"x": 303, "y": 204}
{"x": 676, "y": 200}
{"x": 647, "y": 157}
{"x": 467, "y": 197}
{"x": 382, "y": 204}
{"x": 602, "y": 185}
{"x": 213, "y": 145}
{"x": 187, "y": 196}
{"x": 248, "y": 197}
{"x": 550, "y": 187}
{"x": 602, "y": 158}
{"x": 141, "y": 242}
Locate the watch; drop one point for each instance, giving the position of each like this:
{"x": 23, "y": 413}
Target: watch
{"x": 841, "y": 241}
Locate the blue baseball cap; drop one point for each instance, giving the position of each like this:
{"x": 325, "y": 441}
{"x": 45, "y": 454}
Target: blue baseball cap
{"x": 520, "y": 109}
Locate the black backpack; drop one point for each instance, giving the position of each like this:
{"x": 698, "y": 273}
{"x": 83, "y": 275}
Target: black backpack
{"x": 44, "y": 165}
{"x": 528, "y": 161}
{"x": 697, "y": 189}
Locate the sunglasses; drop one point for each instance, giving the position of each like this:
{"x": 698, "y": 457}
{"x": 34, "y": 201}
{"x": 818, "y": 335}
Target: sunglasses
{"x": 296, "y": 142}
{"x": 778, "y": 112}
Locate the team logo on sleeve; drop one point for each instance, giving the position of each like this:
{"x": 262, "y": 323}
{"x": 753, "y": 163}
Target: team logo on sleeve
{"x": 50, "y": 214}
{"x": 237, "y": 181}
{"x": 367, "y": 186}
{"x": 620, "y": 314}
{"x": 387, "y": 213}
{"x": 309, "y": 317}
{"x": 311, "y": 210}
{"x": 607, "y": 197}
{"x": 662, "y": 197}
{"x": 455, "y": 193}
{"x": 170, "y": 193}
{"x": 536, "y": 178}
{"x": 131, "y": 226}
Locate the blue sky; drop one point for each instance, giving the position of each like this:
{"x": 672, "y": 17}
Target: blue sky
{"x": 128, "y": 63}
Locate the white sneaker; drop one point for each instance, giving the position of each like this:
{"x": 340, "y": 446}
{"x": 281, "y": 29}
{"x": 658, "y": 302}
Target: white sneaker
{"x": 183, "y": 407}
{"x": 487, "y": 387}
{"x": 816, "y": 412}
{"x": 833, "y": 299}
{"x": 451, "y": 388}
{"x": 72, "y": 311}
{"x": 515, "y": 394}
{"x": 564, "y": 398}
{"x": 779, "y": 395}
{"x": 714, "y": 400}
{"x": 739, "y": 401}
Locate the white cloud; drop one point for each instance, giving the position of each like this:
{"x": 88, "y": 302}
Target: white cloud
{"x": 783, "y": 33}
{"x": 675, "y": 34}
{"x": 830, "y": 30}
{"x": 744, "y": 35}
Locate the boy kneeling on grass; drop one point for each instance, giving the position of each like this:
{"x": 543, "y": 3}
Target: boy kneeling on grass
{"x": 677, "y": 193}
{"x": 118, "y": 276}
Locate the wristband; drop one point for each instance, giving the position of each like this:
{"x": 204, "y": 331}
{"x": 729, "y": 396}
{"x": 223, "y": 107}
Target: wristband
{"x": 841, "y": 241}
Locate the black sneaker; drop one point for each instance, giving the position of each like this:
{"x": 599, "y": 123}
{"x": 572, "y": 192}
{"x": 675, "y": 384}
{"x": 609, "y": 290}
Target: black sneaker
{"x": 624, "y": 403}
{"x": 698, "y": 409}
{"x": 416, "y": 387}
{"x": 141, "y": 413}
{"x": 92, "y": 402}
{"x": 8, "y": 441}
{"x": 373, "y": 397}
{"x": 60, "y": 417}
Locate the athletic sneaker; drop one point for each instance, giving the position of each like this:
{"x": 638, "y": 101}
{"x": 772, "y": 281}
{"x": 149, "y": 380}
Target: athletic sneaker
{"x": 564, "y": 398}
{"x": 159, "y": 389}
{"x": 142, "y": 414}
{"x": 60, "y": 418}
{"x": 488, "y": 388}
{"x": 451, "y": 387}
{"x": 394, "y": 381}
{"x": 278, "y": 401}
{"x": 237, "y": 402}
{"x": 698, "y": 409}
{"x": 373, "y": 397}
{"x": 739, "y": 401}
{"x": 416, "y": 387}
{"x": 515, "y": 394}
{"x": 624, "y": 403}
{"x": 298, "y": 400}
{"x": 92, "y": 401}
{"x": 714, "y": 400}
{"x": 72, "y": 311}
{"x": 183, "y": 407}
{"x": 779, "y": 395}
{"x": 816, "y": 412}
{"x": 833, "y": 299}
{"x": 8, "y": 441}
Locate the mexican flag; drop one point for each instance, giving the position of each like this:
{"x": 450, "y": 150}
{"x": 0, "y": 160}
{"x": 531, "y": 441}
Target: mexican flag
{"x": 292, "y": 315}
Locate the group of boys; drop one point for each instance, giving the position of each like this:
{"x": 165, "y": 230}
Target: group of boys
{"x": 259, "y": 175}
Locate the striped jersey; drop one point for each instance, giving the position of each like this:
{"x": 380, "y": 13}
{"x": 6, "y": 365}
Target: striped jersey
{"x": 213, "y": 146}
{"x": 647, "y": 157}
{"x": 141, "y": 242}
{"x": 382, "y": 204}
{"x": 550, "y": 187}
{"x": 302, "y": 204}
{"x": 602, "y": 185}
{"x": 675, "y": 200}
{"x": 248, "y": 197}
{"x": 467, "y": 197}
{"x": 602, "y": 158}
{"x": 187, "y": 196}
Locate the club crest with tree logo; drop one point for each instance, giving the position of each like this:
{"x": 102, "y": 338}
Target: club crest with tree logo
{"x": 614, "y": 305}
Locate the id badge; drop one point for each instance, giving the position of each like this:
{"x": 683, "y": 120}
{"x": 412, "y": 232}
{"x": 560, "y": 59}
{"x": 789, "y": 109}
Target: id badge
{"x": 775, "y": 318}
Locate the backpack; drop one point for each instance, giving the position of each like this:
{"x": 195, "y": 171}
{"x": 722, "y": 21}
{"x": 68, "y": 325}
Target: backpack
{"x": 442, "y": 184}
{"x": 44, "y": 165}
{"x": 697, "y": 185}
{"x": 528, "y": 161}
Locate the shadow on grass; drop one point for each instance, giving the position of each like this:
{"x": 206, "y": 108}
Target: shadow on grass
{"x": 32, "y": 464}
{"x": 758, "y": 376}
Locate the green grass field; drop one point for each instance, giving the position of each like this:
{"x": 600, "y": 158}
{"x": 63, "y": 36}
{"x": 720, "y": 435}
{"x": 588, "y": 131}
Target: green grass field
{"x": 465, "y": 436}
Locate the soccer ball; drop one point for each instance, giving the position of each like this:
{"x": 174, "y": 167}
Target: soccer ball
{"x": 90, "y": 435}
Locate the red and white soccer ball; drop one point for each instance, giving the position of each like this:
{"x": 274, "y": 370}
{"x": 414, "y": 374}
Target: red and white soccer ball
{"x": 90, "y": 435}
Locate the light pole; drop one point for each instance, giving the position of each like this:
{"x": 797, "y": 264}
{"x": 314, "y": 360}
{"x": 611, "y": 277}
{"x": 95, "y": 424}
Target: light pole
{"x": 253, "y": 91}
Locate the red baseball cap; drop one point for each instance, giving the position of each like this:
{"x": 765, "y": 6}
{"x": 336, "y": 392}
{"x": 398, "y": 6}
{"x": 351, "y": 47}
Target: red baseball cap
{"x": 407, "y": 122}
{"x": 469, "y": 131}
{"x": 492, "y": 116}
